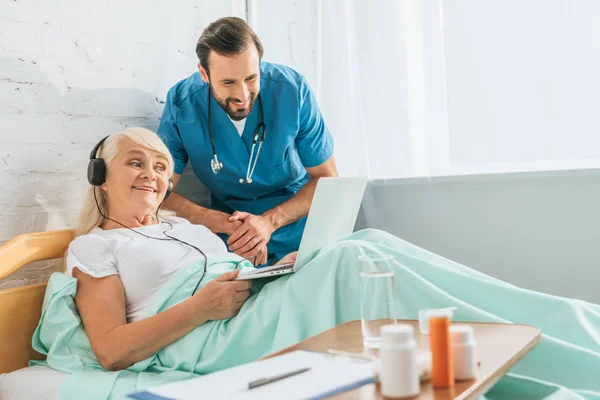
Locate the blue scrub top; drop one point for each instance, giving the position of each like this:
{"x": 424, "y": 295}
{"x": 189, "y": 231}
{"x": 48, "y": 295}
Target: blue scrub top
{"x": 296, "y": 138}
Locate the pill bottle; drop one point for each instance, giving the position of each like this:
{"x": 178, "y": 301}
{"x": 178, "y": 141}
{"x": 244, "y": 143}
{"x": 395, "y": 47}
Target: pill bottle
{"x": 464, "y": 352}
{"x": 442, "y": 365}
{"x": 399, "y": 375}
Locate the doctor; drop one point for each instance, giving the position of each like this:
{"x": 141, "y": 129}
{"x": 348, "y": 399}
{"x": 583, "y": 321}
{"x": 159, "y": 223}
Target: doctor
{"x": 255, "y": 137}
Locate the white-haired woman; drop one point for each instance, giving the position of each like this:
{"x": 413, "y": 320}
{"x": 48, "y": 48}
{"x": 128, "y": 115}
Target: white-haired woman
{"x": 119, "y": 269}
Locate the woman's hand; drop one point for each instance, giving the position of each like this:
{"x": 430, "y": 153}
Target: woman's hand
{"x": 288, "y": 259}
{"x": 221, "y": 298}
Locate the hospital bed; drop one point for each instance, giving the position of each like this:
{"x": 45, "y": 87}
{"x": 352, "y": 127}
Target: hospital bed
{"x": 20, "y": 310}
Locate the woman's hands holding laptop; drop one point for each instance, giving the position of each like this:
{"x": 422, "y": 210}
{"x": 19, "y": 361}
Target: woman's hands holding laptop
{"x": 221, "y": 298}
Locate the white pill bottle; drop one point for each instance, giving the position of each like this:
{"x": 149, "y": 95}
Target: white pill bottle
{"x": 399, "y": 375}
{"x": 464, "y": 351}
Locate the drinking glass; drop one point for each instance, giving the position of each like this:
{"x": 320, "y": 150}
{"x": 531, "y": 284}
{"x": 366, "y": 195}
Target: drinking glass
{"x": 377, "y": 297}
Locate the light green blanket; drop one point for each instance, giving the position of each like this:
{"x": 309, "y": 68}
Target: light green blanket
{"x": 325, "y": 293}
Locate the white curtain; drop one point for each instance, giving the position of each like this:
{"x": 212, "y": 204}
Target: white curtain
{"x": 433, "y": 87}
{"x": 377, "y": 92}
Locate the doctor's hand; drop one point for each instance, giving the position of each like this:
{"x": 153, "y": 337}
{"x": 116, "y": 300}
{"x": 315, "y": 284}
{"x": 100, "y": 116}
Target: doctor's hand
{"x": 252, "y": 237}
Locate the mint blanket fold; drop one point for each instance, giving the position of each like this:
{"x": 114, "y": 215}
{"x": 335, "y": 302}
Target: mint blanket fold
{"x": 323, "y": 294}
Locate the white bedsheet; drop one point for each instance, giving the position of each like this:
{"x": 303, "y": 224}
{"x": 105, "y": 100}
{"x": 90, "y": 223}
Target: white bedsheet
{"x": 31, "y": 383}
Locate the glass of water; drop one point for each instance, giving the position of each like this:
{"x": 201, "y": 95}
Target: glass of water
{"x": 377, "y": 297}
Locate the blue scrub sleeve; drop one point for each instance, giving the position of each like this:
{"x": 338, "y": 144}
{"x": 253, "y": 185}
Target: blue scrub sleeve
{"x": 314, "y": 141}
{"x": 168, "y": 132}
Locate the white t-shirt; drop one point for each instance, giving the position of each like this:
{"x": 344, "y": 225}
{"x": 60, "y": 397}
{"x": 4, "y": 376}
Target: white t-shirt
{"x": 143, "y": 264}
{"x": 239, "y": 125}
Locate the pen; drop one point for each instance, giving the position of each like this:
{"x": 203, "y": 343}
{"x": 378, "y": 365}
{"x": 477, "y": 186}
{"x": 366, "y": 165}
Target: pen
{"x": 265, "y": 381}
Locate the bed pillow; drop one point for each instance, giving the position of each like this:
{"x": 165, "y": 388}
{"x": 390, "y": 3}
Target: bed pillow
{"x": 31, "y": 383}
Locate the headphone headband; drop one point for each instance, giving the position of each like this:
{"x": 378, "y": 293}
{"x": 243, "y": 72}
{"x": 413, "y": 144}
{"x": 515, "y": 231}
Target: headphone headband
{"x": 94, "y": 152}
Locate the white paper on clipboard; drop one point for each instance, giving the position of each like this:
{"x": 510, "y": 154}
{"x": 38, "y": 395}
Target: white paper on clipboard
{"x": 328, "y": 375}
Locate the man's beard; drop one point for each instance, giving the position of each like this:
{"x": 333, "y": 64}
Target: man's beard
{"x": 235, "y": 113}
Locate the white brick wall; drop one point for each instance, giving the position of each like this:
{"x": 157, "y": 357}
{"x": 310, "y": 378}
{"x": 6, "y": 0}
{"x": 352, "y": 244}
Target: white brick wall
{"x": 289, "y": 32}
{"x": 71, "y": 72}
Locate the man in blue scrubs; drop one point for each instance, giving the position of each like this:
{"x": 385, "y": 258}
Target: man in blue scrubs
{"x": 259, "y": 201}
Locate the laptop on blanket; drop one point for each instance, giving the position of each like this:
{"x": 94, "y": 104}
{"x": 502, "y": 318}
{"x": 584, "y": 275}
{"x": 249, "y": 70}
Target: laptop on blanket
{"x": 332, "y": 216}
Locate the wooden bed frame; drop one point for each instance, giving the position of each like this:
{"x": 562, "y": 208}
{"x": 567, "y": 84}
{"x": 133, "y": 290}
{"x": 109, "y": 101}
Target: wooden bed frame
{"x": 21, "y": 307}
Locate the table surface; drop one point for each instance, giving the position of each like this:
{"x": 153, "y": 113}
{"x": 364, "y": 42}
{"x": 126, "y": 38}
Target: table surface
{"x": 500, "y": 346}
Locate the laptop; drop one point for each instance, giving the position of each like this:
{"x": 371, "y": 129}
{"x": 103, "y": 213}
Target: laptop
{"x": 332, "y": 216}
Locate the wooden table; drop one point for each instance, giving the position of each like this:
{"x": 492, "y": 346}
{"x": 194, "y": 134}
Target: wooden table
{"x": 500, "y": 346}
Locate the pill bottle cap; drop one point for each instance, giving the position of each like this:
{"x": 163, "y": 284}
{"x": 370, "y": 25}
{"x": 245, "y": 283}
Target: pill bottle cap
{"x": 461, "y": 334}
{"x": 426, "y": 314}
{"x": 397, "y": 333}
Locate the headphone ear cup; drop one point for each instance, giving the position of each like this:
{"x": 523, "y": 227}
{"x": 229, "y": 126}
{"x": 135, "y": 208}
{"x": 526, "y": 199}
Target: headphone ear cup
{"x": 169, "y": 189}
{"x": 96, "y": 172}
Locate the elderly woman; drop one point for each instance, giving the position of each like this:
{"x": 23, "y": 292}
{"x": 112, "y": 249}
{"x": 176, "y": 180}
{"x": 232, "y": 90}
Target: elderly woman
{"x": 156, "y": 296}
{"x": 123, "y": 254}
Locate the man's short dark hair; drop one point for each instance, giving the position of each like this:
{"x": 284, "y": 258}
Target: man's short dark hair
{"x": 226, "y": 36}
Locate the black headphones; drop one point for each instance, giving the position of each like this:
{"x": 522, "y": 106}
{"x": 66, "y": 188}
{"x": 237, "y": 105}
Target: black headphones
{"x": 96, "y": 172}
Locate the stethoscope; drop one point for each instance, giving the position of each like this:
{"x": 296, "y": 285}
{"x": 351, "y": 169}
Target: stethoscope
{"x": 259, "y": 137}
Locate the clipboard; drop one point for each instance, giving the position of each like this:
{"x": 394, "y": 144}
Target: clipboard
{"x": 328, "y": 375}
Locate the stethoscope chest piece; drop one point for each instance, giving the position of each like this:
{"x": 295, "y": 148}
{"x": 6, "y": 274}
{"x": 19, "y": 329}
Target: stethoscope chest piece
{"x": 216, "y": 165}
